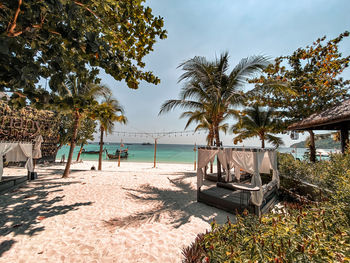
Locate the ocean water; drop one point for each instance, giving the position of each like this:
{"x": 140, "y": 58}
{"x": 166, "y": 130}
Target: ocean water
{"x": 166, "y": 153}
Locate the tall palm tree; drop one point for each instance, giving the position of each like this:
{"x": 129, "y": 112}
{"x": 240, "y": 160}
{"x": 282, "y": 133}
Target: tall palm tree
{"x": 77, "y": 96}
{"x": 85, "y": 133}
{"x": 204, "y": 122}
{"x": 211, "y": 88}
{"x": 256, "y": 122}
{"x": 107, "y": 113}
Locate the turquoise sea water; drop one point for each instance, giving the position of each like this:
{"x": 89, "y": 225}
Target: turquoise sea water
{"x": 166, "y": 153}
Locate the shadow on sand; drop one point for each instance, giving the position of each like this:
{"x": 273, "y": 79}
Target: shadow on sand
{"x": 22, "y": 209}
{"x": 171, "y": 202}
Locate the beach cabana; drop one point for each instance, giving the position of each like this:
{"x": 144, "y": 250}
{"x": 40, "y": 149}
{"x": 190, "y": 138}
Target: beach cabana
{"x": 336, "y": 118}
{"x": 234, "y": 195}
{"x": 16, "y": 152}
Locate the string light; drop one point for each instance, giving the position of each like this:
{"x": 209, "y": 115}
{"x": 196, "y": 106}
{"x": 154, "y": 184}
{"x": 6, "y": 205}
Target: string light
{"x": 156, "y": 134}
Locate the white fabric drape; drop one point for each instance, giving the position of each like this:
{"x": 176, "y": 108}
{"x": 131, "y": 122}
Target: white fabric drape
{"x": 204, "y": 157}
{"x": 16, "y": 152}
{"x": 273, "y": 162}
{"x": 225, "y": 157}
{"x": 28, "y": 152}
{"x": 37, "y": 147}
{"x": 4, "y": 148}
{"x": 257, "y": 196}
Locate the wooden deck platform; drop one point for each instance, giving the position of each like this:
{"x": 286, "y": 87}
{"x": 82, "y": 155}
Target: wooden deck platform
{"x": 10, "y": 182}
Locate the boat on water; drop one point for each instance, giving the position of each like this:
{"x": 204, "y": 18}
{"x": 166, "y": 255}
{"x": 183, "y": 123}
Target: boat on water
{"x": 146, "y": 143}
{"x": 123, "y": 154}
{"x": 325, "y": 154}
{"x": 90, "y": 152}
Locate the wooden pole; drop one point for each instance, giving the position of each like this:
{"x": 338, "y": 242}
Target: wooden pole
{"x": 121, "y": 141}
{"x": 155, "y": 152}
{"x": 195, "y": 164}
{"x": 344, "y": 139}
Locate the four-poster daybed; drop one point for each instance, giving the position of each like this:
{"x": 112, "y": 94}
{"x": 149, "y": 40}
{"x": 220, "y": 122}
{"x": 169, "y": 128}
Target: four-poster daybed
{"x": 232, "y": 195}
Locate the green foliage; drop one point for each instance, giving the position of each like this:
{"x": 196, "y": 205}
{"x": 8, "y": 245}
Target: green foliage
{"x": 293, "y": 234}
{"x": 85, "y": 131}
{"x": 50, "y": 39}
{"x": 332, "y": 176}
{"x": 305, "y": 82}
{"x": 296, "y": 232}
{"x": 255, "y": 122}
{"x": 108, "y": 112}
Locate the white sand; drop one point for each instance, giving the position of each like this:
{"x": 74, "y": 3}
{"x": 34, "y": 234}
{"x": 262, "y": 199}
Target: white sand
{"x": 132, "y": 213}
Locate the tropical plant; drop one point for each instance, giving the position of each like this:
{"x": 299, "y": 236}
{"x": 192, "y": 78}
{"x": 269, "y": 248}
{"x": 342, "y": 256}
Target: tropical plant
{"x": 294, "y": 234}
{"x": 210, "y": 88}
{"x": 255, "y": 122}
{"x": 306, "y": 82}
{"x": 107, "y": 113}
{"x": 204, "y": 122}
{"x": 49, "y": 39}
{"x": 85, "y": 133}
{"x": 77, "y": 96}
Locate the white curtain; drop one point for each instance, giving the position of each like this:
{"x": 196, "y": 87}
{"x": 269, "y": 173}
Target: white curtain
{"x": 4, "y": 148}
{"x": 242, "y": 160}
{"x": 257, "y": 196}
{"x": 225, "y": 157}
{"x": 273, "y": 162}
{"x": 28, "y": 152}
{"x": 37, "y": 147}
{"x": 204, "y": 157}
{"x": 16, "y": 152}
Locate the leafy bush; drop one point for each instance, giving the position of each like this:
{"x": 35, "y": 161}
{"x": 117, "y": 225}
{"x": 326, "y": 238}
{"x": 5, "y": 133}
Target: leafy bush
{"x": 331, "y": 176}
{"x": 294, "y": 234}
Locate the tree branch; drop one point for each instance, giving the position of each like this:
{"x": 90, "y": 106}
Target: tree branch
{"x": 88, "y": 9}
{"x": 14, "y": 22}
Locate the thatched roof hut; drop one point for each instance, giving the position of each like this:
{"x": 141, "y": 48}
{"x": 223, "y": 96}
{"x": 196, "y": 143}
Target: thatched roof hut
{"x": 336, "y": 118}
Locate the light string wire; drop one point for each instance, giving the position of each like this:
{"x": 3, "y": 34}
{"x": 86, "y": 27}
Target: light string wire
{"x": 155, "y": 135}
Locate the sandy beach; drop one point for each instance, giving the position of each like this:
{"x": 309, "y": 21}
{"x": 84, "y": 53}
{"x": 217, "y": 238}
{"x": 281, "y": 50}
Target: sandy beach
{"x": 132, "y": 213}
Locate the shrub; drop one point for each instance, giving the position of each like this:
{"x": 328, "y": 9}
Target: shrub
{"x": 297, "y": 232}
{"x": 294, "y": 234}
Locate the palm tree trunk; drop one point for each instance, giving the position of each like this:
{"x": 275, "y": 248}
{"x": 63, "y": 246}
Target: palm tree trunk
{"x": 262, "y": 142}
{"x": 72, "y": 144}
{"x": 217, "y": 139}
{"x": 57, "y": 148}
{"x": 211, "y": 144}
{"x": 79, "y": 153}
{"x": 312, "y": 147}
{"x": 101, "y": 150}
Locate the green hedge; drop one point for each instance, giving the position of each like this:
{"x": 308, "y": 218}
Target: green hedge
{"x": 316, "y": 232}
{"x": 295, "y": 234}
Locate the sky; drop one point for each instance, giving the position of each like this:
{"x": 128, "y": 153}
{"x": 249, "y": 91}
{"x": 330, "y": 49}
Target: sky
{"x": 208, "y": 28}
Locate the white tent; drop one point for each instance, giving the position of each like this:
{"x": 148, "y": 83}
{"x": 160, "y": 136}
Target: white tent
{"x": 251, "y": 160}
{"x": 16, "y": 152}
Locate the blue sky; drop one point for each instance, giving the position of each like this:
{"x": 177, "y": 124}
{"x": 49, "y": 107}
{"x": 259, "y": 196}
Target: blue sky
{"x": 208, "y": 28}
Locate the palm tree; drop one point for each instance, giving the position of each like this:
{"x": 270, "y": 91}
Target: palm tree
{"x": 76, "y": 97}
{"x": 210, "y": 88}
{"x": 85, "y": 133}
{"x": 256, "y": 122}
{"x": 204, "y": 123}
{"x": 107, "y": 113}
